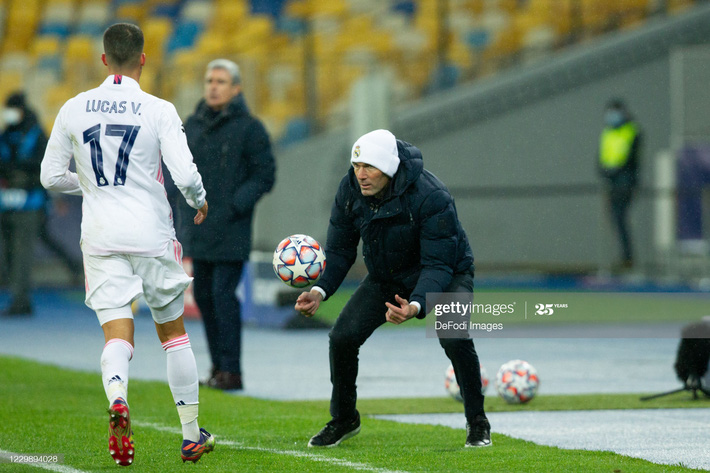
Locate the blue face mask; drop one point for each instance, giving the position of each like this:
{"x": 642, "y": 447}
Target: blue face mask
{"x": 613, "y": 118}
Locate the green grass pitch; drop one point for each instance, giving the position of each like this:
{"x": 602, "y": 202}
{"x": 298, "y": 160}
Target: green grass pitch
{"x": 48, "y": 410}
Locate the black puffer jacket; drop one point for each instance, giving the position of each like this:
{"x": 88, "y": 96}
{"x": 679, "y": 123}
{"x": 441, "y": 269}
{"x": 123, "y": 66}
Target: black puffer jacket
{"x": 233, "y": 154}
{"x": 412, "y": 239}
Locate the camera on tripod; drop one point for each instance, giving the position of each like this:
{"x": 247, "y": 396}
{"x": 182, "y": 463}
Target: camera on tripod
{"x": 691, "y": 364}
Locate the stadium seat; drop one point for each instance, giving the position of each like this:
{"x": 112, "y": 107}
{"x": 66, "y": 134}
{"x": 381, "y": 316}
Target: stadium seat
{"x": 156, "y": 32}
{"x": 93, "y": 18}
{"x": 57, "y": 17}
{"x": 272, "y": 8}
{"x": 15, "y": 62}
{"x": 227, "y": 15}
{"x": 134, "y": 12}
{"x": 210, "y": 45}
{"x": 197, "y": 11}
{"x": 10, "y": 81}
{"x": 21, "y": 25}
{"x": 184, "y": 36}
{"x": 47, "y": 55}
{"x": 296, "y": 129}
{"x": 169, "y": 10}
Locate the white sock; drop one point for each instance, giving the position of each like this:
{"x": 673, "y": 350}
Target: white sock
{"x": 114, "y": 368}
{"x": 182, "y": 378}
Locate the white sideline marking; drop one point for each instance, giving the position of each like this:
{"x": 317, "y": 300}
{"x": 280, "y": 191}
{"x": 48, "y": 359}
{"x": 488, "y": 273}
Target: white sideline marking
{"x": 294, "y": 453}
{"x": 46, "y": 466}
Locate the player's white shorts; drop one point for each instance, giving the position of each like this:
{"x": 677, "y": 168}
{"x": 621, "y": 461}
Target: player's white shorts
{"x": 114, "y": 282}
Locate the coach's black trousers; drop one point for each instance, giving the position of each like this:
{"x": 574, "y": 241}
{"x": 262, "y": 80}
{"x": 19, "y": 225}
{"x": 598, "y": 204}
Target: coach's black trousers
{"x": 216, "y": 297}
{"x": 364, "y": 312}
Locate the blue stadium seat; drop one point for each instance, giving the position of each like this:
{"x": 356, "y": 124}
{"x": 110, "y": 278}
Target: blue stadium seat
{"x": 168, "y": 10}
{"x": 297, "y": 129}
{"x": 267, "y": 7}
{"x": 55, "y": 29}
{"x": 184, "y": 36}
{"x": 443, "y": 77}
{"x": 478, "y": 39}
{"x": 293, "y": 27}
{"x": 408, "y": 7}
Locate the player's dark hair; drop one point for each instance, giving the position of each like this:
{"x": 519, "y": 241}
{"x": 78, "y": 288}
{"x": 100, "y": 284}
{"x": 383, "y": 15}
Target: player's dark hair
{"x": 123, "y": 45}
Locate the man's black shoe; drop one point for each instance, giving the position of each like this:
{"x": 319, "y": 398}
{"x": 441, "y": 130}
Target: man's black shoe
{"x": 335, "y": 432}
{"x": 478, "y": 433}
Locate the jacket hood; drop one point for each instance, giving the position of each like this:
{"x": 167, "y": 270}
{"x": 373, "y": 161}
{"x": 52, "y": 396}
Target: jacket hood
{"x": 410, "y": 167}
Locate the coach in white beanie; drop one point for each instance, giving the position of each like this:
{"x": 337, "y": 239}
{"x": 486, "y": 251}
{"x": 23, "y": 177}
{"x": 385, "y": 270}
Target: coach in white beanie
{"x": 379, "y": 149}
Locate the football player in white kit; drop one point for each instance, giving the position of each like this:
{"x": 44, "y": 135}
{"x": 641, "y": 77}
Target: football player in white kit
{"x": 118, "y": 135}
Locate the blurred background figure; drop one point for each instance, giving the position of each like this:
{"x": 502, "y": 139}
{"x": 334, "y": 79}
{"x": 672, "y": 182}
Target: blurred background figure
{"x": 57, "y": 205}
{"x": 618, "y": 165}
{"x": 232, "y": 150}
{"x": 22, "y": 197}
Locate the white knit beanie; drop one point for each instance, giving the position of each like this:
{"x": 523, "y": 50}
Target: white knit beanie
{"x": 379, "y": 149}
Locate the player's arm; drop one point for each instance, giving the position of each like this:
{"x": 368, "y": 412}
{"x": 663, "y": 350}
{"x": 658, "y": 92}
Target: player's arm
{"x": 179, "y": 161}
{"x": 54, "y": 170}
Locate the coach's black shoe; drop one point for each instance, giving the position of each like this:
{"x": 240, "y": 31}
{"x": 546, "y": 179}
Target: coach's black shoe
{"x": 478, "y": 433}
{"x": 335, "y": 432}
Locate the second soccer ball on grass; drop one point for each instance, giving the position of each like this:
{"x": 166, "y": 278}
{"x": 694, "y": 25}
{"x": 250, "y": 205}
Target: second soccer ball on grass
{"x": 452, "y": 387}
{"x": 517, "y": 382}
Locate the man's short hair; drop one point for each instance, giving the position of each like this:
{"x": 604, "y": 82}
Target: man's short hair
{"x": 228, "y": 66}
{"x": 123, "y": 45}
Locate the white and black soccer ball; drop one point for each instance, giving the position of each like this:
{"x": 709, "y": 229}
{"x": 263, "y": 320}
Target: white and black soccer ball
{"x": 517, "y": 382}
{"x": 299, "y": 261}
{"x": 452, "y": 386}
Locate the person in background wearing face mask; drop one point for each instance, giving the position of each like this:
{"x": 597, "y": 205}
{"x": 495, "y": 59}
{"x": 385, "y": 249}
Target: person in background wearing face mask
{"x": 22, "y": 197}
{"x": 618, "y": 164}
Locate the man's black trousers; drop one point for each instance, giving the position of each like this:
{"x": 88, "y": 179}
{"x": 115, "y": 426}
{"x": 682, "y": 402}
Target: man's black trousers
{"x": 216, "y": 297}
{"x": 364, "y": 312}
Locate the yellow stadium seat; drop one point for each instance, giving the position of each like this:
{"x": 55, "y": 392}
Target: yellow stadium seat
{"x": 328, "y": 7}
{"x": 10, "y": 81}
{"x": 44, "y": 46}
{"x": 254, "y": 33}
{"x": 58, "y": 94}
{"x": 132, "y": 11}
{"x": 156, "y": 32}
{"x": 229, "y": 16}
{"x": 80, "y": 49}
{"x": 212, "y": 45}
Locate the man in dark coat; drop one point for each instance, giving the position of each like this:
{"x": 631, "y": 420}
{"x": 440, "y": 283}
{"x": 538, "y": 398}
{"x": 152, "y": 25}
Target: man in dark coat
{"x": 233, "y": 153}
{"x": 22, "y": 197}
{"x": 413, "y": 244}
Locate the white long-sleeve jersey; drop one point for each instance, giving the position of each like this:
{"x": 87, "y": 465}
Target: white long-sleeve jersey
{"x": 117, "y": 134}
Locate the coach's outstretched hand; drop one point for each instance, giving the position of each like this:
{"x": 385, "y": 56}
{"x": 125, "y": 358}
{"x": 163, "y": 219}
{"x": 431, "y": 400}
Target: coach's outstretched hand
{"x": 308, "y": 303}
{"x": 201, "y": 214}
{"x": 401, "y": 313}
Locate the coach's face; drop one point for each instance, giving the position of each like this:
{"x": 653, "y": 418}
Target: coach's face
{"x": 219, "y": 89}
{"x": 373, "y": 182}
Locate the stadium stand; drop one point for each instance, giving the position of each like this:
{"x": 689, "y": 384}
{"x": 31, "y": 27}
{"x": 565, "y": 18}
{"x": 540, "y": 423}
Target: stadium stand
{"x": 300, "y": 57}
